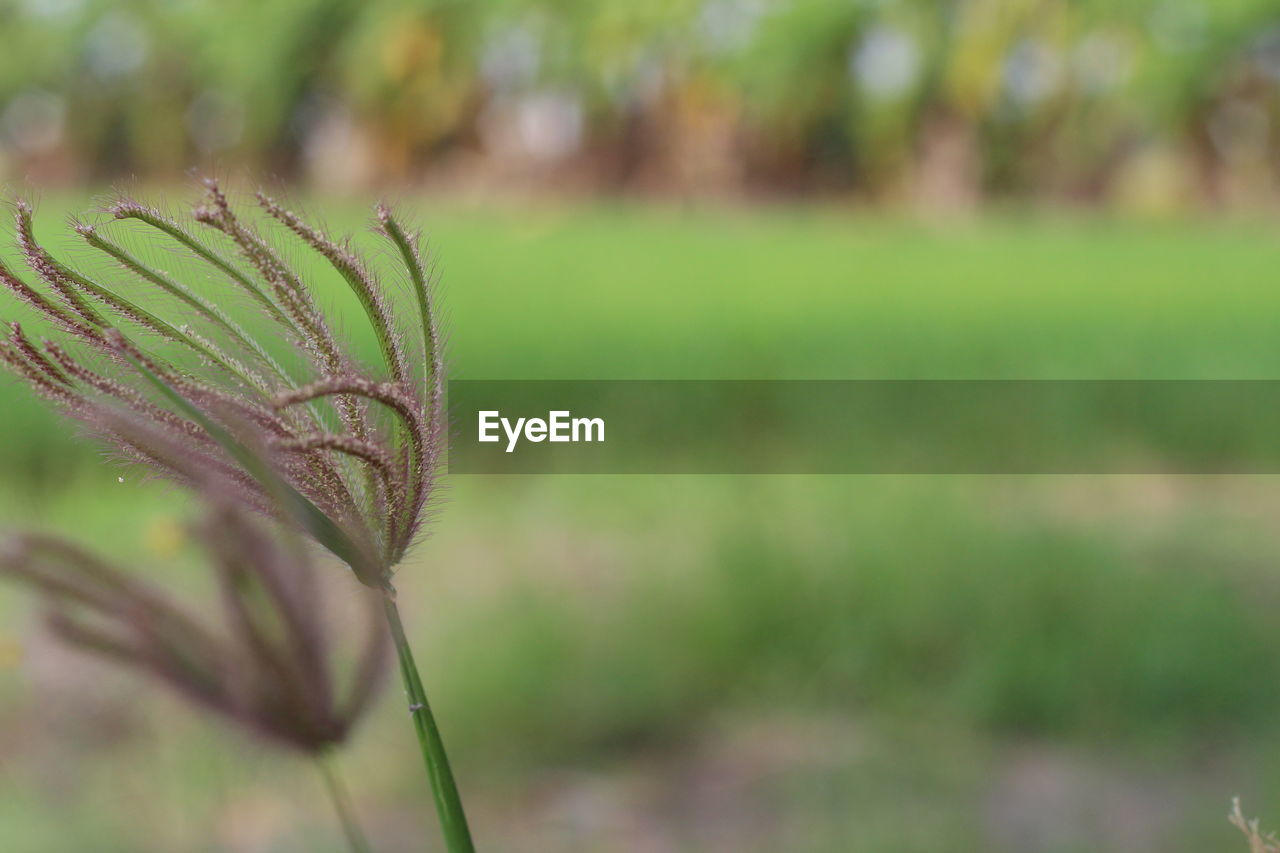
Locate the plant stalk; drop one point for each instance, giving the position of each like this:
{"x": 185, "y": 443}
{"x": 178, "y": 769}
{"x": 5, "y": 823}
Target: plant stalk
{"x": 342, "y": 805}
{"x": 453, "y": 820}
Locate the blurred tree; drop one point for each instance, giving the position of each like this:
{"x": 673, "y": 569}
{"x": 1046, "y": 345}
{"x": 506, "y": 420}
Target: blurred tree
{"x": 947, "y": 102}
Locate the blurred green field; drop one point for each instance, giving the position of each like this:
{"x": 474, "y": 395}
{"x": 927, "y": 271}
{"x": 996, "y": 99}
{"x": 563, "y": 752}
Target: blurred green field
{"x": 886, "y": 664}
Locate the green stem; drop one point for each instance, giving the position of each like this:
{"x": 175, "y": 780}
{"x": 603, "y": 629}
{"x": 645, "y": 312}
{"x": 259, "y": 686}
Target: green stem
{"x": 453, "y": 821}
{"x": 342, "y": 805}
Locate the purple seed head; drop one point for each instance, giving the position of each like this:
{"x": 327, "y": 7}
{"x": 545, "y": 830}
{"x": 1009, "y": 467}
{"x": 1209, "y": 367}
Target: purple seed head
{"x": 245, "y": 369}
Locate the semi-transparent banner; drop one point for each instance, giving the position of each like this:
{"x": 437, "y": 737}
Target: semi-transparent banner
{"x": 865, "y": 427}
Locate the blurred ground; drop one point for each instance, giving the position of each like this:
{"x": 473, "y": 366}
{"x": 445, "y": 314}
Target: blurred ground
{"x": 886, "y": 664}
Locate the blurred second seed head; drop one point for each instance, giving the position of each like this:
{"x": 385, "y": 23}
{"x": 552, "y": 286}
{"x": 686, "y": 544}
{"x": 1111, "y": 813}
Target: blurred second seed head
{"x": 265, "y": 652}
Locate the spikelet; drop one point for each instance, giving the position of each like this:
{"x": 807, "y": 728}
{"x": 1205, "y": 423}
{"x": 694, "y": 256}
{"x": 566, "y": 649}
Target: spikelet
{"x": 349, "y": 451}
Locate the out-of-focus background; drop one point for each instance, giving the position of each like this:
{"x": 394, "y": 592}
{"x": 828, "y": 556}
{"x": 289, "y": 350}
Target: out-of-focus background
{"x": 717, "y": 188}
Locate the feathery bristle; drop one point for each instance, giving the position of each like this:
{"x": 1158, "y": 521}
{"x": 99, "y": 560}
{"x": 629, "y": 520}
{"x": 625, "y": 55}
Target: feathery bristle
{"x": 360, "y": 445}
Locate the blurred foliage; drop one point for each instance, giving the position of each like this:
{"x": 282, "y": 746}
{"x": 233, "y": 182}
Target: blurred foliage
{"x": 1146, "y": 101}
{"x": 803, "y": 593}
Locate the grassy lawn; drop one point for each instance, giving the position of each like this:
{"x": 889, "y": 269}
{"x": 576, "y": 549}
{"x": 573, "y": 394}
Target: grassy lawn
{"x": 880, "y": 663}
